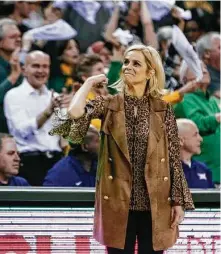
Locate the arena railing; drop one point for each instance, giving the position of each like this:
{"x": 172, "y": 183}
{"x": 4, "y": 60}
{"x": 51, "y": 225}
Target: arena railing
{"x": 60, "y": 220}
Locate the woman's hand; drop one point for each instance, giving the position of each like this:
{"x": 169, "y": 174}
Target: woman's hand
{"x": 78, "y": 103}
{"x": 97, "y": 80}
{"x": 177, "y": 216}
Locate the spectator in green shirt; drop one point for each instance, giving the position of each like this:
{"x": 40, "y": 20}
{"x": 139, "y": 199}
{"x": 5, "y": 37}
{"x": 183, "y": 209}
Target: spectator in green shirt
{"x": 10, "y": 70}
{"x": 201, "y": 108}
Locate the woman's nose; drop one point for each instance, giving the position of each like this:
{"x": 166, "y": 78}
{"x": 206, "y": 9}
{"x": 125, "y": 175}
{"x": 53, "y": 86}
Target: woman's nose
{"x": 129, "y": 66}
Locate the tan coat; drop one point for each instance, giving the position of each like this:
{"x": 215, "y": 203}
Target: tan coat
{"x": 114, "y": 178}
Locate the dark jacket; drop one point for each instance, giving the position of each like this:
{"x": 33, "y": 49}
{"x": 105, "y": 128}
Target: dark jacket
{"x": 5, "y": 86}
{"x": 69, "y": 172}
{"x": 16, "y": 181}
{"x": 198, "y": 175}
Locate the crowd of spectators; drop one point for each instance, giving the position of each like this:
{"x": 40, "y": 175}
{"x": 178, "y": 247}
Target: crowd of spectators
{"x": 49, "y": 48}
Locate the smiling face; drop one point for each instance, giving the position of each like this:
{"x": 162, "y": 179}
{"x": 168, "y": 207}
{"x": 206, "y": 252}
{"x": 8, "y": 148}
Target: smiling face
{"x": 134, "y": 69}
{"x": 9, "y": 158}
{"x": 37, "y": 68}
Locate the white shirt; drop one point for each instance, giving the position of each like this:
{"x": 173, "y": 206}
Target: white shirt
{"x": 22, "y": 105}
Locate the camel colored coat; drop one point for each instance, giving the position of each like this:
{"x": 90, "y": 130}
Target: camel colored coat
{"x": 114, "y": 175}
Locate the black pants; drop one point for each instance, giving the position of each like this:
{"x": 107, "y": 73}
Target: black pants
{"x": 35, "y": 165}
{"x": 139, "y": 226}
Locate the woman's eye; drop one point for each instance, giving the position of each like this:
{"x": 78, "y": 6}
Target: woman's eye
{"x": 136, "y": 64}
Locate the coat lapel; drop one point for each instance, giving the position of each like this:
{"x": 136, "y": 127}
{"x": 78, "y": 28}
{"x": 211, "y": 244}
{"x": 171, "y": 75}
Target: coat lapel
{"x": 157, "y": 115}
{"x": 116, "y": 124}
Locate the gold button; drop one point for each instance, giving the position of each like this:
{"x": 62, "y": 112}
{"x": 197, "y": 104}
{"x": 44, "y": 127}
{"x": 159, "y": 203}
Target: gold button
{"x": 161, "y": 126}
{"x": 106, "y": 197}
{"x": 169, "y": 199}
{"x": 165, "y": 178}
{"x": 162, "y": 160}
{"x": 110, "y": 177}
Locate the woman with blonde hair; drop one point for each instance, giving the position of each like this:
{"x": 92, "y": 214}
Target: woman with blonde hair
{"x": 141, "y": 191}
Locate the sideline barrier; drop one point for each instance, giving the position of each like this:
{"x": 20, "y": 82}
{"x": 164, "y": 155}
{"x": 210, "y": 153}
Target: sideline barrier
{"x": 60, "y": 220}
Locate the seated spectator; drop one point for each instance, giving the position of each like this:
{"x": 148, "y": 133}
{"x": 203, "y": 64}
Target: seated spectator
{"x": 9, "y": 162}
{"x": 28, "y": 109}
{"x": 10, "y": 70}
{"x": 197, "y": 174}
{"x": 78, "y": 169}
{"x": 203, "y": 110}
{"x": 208, "y": 48}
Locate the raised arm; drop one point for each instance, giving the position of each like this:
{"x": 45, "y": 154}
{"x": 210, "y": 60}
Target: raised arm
{"x": 78, "y": 103}
{"x": 112, "y": 26}
{"x": 75, "y": 124}
{"x": 150, "y": 37}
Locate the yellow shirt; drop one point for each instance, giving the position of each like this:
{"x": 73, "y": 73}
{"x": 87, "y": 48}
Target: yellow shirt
{"x": 172, "y": 97}
{"x": 95, "y": 122}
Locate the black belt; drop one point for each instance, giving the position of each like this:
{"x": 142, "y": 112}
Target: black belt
{"x": 48, "y": 154}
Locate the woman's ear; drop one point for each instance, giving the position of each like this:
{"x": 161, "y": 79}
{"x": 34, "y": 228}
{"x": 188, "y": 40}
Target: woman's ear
{"x": 150, "y": 74}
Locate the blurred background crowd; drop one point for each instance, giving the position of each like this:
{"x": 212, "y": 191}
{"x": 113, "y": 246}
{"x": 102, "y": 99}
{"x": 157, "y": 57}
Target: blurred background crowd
{"x": 49, "y": 48}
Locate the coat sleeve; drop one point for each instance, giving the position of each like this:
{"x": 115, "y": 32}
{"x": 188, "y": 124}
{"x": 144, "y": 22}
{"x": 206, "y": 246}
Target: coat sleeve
{"x": 180, "y": 193}
{"x": 74, "y": 130}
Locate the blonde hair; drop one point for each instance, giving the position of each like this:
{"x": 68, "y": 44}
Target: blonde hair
{"x": 154, "y": 63}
